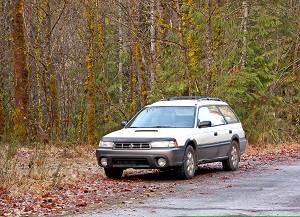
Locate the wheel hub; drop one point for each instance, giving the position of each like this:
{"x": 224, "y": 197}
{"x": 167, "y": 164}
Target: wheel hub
{"x": 190, "y": 163}
{"x": 234, "y": 156}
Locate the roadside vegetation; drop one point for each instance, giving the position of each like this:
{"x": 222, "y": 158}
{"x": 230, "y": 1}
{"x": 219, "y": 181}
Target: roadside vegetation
{"x": 71, "y": 71}
{"x": 67, "y": 180}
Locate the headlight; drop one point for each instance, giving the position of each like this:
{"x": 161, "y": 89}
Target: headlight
{"x": 164, "y": 144}
{"x": 103, "y": 144}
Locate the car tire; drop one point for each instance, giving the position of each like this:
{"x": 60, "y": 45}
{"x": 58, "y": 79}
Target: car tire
{"x": 188, "y": 167}
{"x": 113, "y": 173}
{"x": 232, "y": 163}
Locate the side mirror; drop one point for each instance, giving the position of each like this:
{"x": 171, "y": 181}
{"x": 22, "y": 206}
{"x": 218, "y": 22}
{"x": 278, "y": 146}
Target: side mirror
{"x": 203, "y": 124}
{"x": 124, "y": 123}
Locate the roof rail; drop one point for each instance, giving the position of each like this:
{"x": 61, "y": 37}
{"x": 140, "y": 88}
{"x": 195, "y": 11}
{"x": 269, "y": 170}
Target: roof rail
{"x": 191, "y": 98}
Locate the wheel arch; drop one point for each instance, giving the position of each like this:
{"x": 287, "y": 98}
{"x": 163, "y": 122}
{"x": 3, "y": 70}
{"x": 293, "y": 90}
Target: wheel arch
{"x": 193, "y": 143}
{"x": 236, "y": 138}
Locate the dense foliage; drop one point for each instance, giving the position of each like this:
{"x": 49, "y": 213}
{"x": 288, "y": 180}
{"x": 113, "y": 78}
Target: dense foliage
{"x": 94, "y": 63}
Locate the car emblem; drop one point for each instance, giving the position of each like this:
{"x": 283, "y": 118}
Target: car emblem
{"x": 131, "y": 145}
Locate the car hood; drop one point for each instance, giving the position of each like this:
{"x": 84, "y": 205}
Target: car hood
{"x": 149, "y": 134}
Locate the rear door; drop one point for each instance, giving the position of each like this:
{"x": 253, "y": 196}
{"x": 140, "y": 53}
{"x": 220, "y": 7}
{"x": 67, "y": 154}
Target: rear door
{"x": 233, "y": 126}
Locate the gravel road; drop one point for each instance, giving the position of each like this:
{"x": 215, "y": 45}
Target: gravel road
{"x": 274, "y": 190}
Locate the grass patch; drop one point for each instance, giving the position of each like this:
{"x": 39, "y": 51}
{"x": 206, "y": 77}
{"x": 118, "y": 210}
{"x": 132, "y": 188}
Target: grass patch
{"x": 40, "y": 168}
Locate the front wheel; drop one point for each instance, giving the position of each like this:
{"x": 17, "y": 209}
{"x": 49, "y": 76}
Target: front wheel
{"x": 113, "y": 173}
{"x": 232, "y": 163}
{"x": 188, "y": 167}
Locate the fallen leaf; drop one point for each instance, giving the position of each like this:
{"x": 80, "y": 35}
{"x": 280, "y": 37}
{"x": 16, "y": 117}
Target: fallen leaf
{"x": 28, "y": 209}
{"x": 81, "y": 204}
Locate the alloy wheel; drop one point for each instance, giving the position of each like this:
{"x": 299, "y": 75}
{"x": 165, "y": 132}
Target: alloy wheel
{"x": 190, "y": 163}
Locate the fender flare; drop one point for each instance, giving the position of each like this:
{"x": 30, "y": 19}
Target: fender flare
{"x": 235, "y": 137}
{"x": 195, "y": 144}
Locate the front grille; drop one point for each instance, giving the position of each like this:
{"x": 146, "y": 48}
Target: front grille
{"x": 139, "y": 162}
{"x": 132, "y": 146}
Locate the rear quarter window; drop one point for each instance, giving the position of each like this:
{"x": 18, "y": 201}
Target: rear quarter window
{"x": 229, "y": 115}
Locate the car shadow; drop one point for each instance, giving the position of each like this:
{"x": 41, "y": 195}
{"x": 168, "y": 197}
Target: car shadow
{"x": 169, "y": 175}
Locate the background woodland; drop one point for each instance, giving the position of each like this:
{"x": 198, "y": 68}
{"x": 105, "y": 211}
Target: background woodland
{"x": 71, "y": 71}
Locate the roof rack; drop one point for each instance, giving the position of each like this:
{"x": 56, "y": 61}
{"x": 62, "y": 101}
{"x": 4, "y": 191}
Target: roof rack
{"x": 191, "y": 98}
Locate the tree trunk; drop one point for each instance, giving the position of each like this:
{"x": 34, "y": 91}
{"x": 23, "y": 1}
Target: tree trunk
{"x": 91, "y": 108}
{"x": 2, "y": 118}
{"x": 138, "y": 55}
{"x": 218, "y": 39}
{"x": 20, "y": 71}
{"x": 2, "y": 90}
{"x": 39, "y": 75}
{"x": 182, "y": 22}
{"x": 244, "y": 26}
{"x": 140, "y": 68}
{"x": 152, "y": 42}
{"x": 53, "y": 88}
{"x": 121, "y": 53}
{"x": 296, "y": 76}
{"x": 209, "y": 47}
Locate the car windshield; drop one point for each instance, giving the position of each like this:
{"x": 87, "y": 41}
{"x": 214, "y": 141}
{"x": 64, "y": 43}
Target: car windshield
{"x": 164, "y": 117}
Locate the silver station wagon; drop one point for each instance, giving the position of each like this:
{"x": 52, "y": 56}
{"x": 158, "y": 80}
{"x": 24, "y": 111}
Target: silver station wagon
{"x": 177, "y": 133}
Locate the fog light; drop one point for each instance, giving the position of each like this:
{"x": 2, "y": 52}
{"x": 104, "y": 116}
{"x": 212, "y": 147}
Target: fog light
{"x": 104, "y": 161}
{"x": 161, "y": 162}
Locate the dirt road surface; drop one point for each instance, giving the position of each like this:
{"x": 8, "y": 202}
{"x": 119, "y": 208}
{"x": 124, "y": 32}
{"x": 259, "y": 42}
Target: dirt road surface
{"x": 267, "y": 190}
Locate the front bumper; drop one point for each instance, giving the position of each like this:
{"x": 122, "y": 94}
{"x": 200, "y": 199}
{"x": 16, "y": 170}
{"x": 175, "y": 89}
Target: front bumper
{"x": 140, "y": 158}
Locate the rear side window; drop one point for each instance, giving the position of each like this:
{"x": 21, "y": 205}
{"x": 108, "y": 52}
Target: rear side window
{"x": 229, "y": 115}
{"x": 212, "y": 114}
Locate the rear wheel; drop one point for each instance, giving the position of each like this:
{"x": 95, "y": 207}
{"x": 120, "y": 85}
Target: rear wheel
{"x": 232, "y": 163}
{"x": 113, "y": 173}
{"x": 188, "y": 167}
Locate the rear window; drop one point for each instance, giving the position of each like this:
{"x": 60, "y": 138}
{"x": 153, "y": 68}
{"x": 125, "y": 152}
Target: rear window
{"x": 229, "y": 115}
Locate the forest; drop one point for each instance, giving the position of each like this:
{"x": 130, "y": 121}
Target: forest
{"x": 71, "y": 71}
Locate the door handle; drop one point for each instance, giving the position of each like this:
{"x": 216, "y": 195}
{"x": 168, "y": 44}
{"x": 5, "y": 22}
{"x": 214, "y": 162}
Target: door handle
{"x": 216, "y": 133}
{"x": 230, "y": 131}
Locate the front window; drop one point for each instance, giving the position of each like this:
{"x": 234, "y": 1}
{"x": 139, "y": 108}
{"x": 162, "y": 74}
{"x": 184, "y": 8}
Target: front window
{"x": 164, "y": 117}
